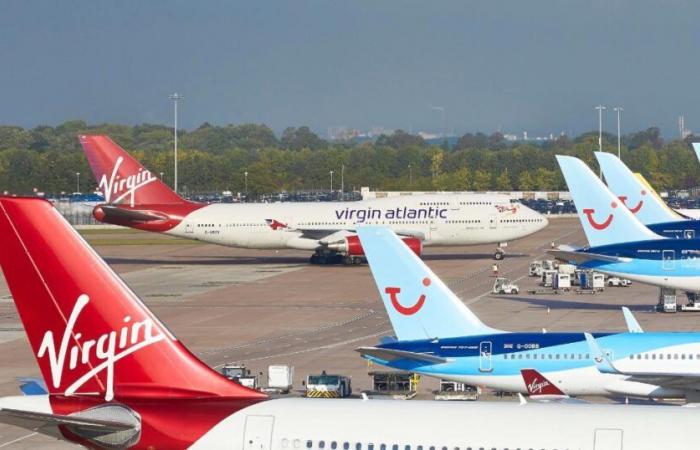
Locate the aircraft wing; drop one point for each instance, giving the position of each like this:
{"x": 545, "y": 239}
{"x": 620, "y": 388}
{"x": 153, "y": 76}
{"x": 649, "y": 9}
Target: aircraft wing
{"x": 38, "y": 421}
{"x": 666, "y": 379}
{"x": 388, "y": 354}
{"x": 579, "y": 257}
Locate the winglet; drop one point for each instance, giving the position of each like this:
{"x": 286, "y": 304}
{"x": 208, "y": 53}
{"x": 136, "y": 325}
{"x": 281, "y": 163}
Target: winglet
{"x": 602, "y": 362}
{"x": 632, "y": 324}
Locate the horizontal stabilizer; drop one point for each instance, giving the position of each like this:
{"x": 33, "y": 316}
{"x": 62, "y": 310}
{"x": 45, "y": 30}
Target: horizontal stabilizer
{"x": 33, "y": 420}
{"x": 388, "y": 354}
{"x": 115, "y": 214}
{"x": 574, "y": 257}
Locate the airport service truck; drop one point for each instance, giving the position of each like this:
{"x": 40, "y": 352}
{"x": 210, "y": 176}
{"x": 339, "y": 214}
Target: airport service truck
{"x": 328, "y": 386}
{"x": 240, "y": 374}
{"x": 280, "y": 378}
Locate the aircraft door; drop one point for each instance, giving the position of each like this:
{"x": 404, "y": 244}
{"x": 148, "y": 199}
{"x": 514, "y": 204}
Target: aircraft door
{"x": 669, "y": 259}
{"x": 492, "y": 221}
{"x": 485, "y": 352}
{"x": 607, "y": 439}
{"x": 189, "y": 227}
{"x": 258, "y": 432}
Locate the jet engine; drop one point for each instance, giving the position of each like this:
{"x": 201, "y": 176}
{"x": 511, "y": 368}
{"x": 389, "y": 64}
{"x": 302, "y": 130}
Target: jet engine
{"x": 351, "y": 246}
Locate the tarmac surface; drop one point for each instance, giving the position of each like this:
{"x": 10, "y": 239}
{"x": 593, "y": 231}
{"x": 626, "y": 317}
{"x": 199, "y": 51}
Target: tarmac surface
{"x": 267, "y": 307}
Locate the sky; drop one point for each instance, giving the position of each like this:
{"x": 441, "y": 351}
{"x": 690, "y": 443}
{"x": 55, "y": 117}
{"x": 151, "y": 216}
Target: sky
{"x": 508, "y": 65}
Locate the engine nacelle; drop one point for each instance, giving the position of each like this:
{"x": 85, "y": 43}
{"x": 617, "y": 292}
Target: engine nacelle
{"x": 351, "y": 246}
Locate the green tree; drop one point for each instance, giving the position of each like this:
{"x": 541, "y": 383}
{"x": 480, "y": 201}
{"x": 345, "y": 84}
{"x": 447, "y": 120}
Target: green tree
{"x": 525, "y": 182}
{"x": 481, "y": 180}
{"x": 503, "y": 181}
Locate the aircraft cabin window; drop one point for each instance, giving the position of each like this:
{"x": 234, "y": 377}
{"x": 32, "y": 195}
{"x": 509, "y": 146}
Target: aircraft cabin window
{"x": 346, "y": 446}
{"x": 321, "y": 444}
{"x": 358, "y": 446}
{"x": 334, "y": 445}
{"x": 309, "y": 444}
{"x": 285, "y": 443}
{"x": 382, "y": 447}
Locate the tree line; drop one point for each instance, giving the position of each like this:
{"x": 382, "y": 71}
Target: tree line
{"x": 215, "y": 158}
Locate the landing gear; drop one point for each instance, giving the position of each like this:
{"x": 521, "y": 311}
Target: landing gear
{"x": 352, "y": 260}
{"x": 323, "y": 258}
{"x": 499, "y": 254}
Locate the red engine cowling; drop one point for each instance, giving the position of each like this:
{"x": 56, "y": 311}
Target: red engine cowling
{"x": 353, "y": 247}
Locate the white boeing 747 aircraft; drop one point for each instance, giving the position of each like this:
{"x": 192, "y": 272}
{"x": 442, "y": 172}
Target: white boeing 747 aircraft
{"x": 135, "y": 198}
{"x": 117, "y": 378}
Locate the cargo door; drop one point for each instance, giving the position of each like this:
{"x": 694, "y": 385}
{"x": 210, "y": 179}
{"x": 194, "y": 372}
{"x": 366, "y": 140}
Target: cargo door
{"x": 607, "y": 439}
{"x": 669, "y": 259}
{"x": 492, "y": 221}
{"x": 258, "y": 432}
{"x": 485, "y": 352}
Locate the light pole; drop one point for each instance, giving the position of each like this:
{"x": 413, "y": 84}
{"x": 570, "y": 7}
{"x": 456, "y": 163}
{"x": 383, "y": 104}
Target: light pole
{"x": 410, "y": 175}
{"x": 342, "y": 180}
{"x": 245, "y": 174}
{"x": 444, "y": 118}
{"x": 331, "y": 172}
{"x": 161, "y": 176}
{"x": 618, "y": 109}
{"x": 600, "y": 109}
{"x": 77, "y": 182}
{"x": 175, "y": 98}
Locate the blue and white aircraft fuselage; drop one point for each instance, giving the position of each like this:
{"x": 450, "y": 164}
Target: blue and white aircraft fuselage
{"x": 496, "y": 360}
{"x": 438, "y": 335}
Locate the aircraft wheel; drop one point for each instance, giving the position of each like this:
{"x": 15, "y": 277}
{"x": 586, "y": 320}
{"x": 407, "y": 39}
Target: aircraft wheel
{"x": 499, "y": 255}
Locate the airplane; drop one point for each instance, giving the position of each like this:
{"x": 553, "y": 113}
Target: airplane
{"x": 135, "y": 198}
{"x": 643, "y": 202}
{"x": 437, "y": 335}
{"x": 619, "y": 244}
{"x": 118, "y": 378}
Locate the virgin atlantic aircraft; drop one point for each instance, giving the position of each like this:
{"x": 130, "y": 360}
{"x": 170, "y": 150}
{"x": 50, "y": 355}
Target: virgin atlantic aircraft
{"x": 118, "y": 378}
{"x": 135, "y": 198}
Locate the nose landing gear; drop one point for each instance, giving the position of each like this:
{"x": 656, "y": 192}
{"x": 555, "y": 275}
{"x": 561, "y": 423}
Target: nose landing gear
{"x": 499, "y": 254}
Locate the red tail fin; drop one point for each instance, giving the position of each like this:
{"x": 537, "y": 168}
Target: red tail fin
{"x": 537, "y": 385}
{"x": 90, "y": 333}
{"x": 121, "y": 178}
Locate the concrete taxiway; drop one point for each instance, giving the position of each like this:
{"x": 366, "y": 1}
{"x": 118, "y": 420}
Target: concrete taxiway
{"x": 267, "y": 307}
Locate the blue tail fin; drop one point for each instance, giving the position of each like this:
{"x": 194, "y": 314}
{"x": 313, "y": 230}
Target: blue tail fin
{"x": 604, "y": 219}
{"x": 645, "y": 205}
{"x": 419, "y": 304}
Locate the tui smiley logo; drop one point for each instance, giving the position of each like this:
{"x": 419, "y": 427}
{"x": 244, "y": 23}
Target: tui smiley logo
{"x": 406, "y": 310}
{"x": 599, "y": 225}
{"x": 635, "y": 210}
